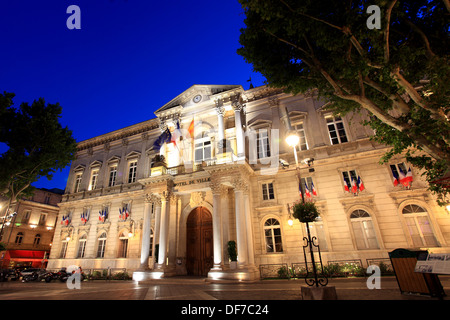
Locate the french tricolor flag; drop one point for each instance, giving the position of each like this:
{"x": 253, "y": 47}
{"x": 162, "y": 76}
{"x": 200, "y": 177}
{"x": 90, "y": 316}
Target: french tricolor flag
{"x": 314, "y": 192}
{"x": 360, "y": 184}
{"x": 307, "y": 193}
{"x": 354, "y": 186}
{"x": 406, "y": 180}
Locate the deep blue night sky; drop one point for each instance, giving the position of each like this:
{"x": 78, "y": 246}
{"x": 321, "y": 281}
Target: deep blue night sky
{"x": 128, "y": 59}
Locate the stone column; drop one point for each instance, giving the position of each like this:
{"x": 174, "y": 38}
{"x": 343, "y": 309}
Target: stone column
{"x": 164, "y": 228}
{"x": 239, "y": 131}
{"x": 220, "y": 127}
{"x": 241, "y": 228}
{"x": 217, "y": 231}
{"x": 248, "y": 220}
{"x": 145, "y": 247}
{"x": 156, "y": 229}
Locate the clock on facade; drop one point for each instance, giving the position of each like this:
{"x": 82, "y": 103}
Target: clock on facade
{"x": 197, "y": 98}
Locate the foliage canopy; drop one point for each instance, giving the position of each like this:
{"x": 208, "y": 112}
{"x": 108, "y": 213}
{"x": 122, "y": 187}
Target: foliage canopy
{"x": 37, "y": 144}
{"x": 398, "y": 74}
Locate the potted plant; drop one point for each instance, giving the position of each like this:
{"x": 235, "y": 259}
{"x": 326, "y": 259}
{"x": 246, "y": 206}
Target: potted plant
{"x": 232, "y": 254}
{"x": 305, "y": 211}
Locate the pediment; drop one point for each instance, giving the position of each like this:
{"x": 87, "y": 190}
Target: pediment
{"x": 133, "y": 154}
{"x": 203, "y": 92}
{"x": 79, "y": 167}
{"x": 96, "y": 163}
{"x": 113, "y": 159}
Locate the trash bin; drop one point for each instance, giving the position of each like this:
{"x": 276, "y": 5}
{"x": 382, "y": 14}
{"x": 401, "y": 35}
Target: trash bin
{"x": 410, "y": 282}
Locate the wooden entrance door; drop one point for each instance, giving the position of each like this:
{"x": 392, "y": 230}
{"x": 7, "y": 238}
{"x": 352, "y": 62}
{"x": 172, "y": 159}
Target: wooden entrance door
{"x": 199, "y": 242}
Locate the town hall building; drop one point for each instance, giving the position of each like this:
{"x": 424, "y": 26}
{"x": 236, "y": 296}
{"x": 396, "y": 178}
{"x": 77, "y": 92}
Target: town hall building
{"x": 166, "y": 196}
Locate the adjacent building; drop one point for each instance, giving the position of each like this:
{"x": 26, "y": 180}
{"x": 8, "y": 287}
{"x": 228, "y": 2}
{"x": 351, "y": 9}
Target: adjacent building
{"x": 27, "y": 229}
{"x": 229, "y": 175}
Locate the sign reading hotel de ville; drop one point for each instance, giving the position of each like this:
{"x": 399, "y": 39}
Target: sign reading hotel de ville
{"x": 189, "y": 182}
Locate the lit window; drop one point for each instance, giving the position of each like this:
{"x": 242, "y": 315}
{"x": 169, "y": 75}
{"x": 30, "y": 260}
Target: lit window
{"x": 262, "y": 144}
{"x": 123, "y": 246}
{"x": 336, "y": 130}
{"x": 94, "y": 178}
{"x": 82, "y": 246}
{"x": 77, "y": 182}
{"x": 267, "y": 191}
{"x": 419, "y": 226}
{"x": 316, "y": 229}
{"x": 272, "y": 232}
{"x": 363, "y": 230}
{"x": 303, "y": 144}
{"x": 202, "y": 149}
{"x": 101, "y": 245}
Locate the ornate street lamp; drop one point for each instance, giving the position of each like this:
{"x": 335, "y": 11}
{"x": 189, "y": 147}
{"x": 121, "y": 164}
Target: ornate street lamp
{"x": 292, "y": 140}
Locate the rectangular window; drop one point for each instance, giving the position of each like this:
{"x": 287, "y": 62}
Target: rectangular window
{"x": 63, "y": 249}
{"x": 202, "y": 149}
{"x": 94, "y": 179}
{"x": 132, "y": 172}
{"x": 112, "y": 176}
{"x": 123, "y": 246}
{"x": 308, "y": 182}
{"x": 267, "y": 191}
{"x": 303, "y": 145}
{"x": 77, "y": 182}
{"x": 316, "y": 229}
{"x": 262, "y": 143}
{"x": 336, "y": 130}
{"x": 101, "y": 248}
{"x": 81, "y": 248}
{"x": 26, "y": 216}
{"x": 395, "y": 168}
{"x": 42, "y": 219}
{"x": 348, "y": 176}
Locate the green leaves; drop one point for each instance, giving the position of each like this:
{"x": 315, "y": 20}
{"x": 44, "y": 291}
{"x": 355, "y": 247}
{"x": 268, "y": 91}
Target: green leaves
{"x": 400, "y": 74}
{"x": 38, "y": 144}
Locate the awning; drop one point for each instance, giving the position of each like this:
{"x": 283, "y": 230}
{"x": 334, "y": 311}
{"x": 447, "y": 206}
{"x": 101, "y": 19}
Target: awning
{"x": 25, "y": 255}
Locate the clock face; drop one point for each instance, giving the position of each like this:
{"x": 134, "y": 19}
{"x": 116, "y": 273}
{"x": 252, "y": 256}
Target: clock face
{"x": 197, "y": 98}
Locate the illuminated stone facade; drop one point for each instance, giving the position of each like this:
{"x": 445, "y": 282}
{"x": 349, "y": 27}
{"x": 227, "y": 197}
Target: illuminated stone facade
{"x": 182, "y": 215}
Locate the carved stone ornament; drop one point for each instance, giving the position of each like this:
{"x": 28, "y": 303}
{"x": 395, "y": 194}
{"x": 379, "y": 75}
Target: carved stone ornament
{"x": 239, "y": 184}
{"x": 197, "y": 198}
{"x": 153, "y": 198}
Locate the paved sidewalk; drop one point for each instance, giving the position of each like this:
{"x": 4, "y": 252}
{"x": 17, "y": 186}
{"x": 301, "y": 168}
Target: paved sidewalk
{"x": 197, "y": 289}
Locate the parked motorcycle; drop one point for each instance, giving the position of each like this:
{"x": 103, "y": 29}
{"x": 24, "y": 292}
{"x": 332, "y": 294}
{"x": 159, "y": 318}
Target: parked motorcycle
{"x": 35, "y": 276}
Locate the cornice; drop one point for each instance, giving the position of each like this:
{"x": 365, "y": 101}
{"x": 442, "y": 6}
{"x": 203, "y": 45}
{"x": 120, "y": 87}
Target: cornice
{"x": 119, "y": 134}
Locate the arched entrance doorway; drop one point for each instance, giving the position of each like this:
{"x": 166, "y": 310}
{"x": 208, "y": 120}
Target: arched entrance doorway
{"x": 199, "y": 242}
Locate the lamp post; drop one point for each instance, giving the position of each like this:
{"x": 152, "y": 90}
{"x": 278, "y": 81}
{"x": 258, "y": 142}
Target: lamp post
{"x": 292, "y": 140}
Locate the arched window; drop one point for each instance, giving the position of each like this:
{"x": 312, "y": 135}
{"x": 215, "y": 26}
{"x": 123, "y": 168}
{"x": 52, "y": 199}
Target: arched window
{"x": 419, "y": 226}
{"x": 82, "y": 246}
{"x": 123, "y": 245}
{"x": 272, "y": 232}
{"x": 19, "y": 238}
{"x": 37, "y": 239}
{"x": 101, "y": 245}
{"x": 363, "y": 230}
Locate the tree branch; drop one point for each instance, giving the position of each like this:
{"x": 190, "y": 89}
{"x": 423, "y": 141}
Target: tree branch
{"x": 430, "y": 54}
{"x": 386, "y": 30}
